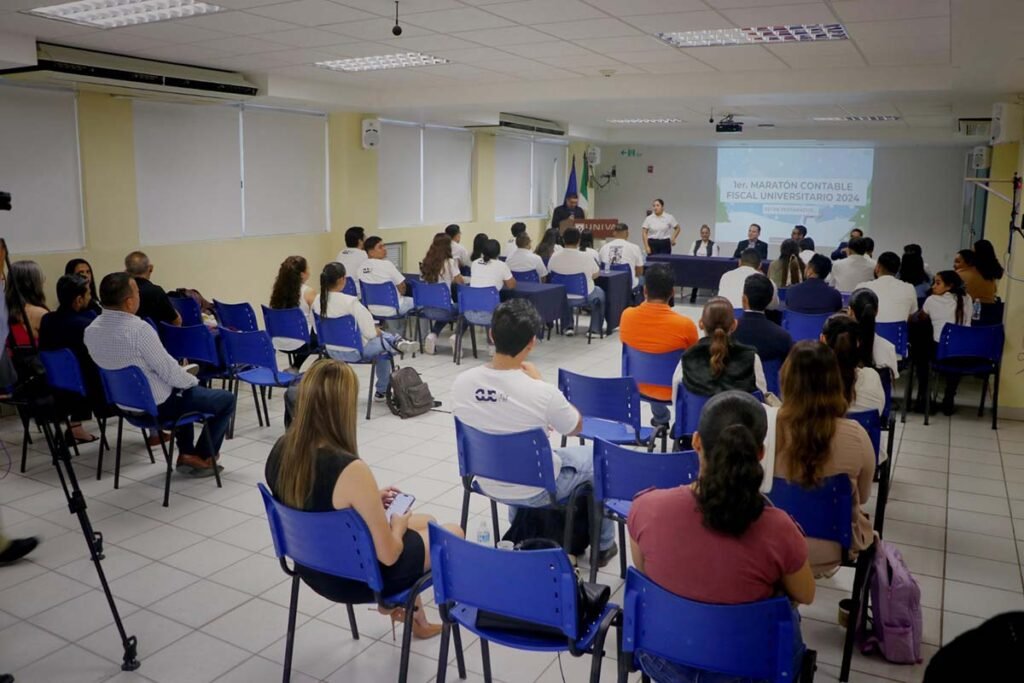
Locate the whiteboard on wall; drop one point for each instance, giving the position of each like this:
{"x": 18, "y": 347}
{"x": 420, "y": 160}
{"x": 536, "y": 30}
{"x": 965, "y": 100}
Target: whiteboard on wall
{"x": 285, "y": 172}
{"x": 188, "y": 172}
{"x": 39, "y": 166}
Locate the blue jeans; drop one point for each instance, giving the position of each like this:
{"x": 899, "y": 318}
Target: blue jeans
{"x": 577, "y": 468}
{"x": 438, "y": 325}
{"x": 664, "y": 671}
{"x": 596, "y": 302}
{"x": 381, "y": 347}
{"x": 218, "y": 403}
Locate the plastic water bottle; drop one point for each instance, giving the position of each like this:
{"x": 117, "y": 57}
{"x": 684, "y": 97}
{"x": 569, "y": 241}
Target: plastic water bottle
{"x": 976, "y": 315}
{"x": 483, "y": 533}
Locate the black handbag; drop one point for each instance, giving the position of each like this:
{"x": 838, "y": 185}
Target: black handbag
{"x": 591, "y": 599}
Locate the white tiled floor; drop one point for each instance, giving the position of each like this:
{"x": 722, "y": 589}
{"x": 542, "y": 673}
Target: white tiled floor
{"x": 198, "y": 584}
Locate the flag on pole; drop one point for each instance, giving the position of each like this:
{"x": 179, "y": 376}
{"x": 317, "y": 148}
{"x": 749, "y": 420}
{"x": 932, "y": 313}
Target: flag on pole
{"x": 584, "y": 189}
{"x": 571, "y": 187}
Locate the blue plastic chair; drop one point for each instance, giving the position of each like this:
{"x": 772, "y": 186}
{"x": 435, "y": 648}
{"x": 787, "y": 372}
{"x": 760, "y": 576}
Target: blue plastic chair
{"x": 287, "y": 324}
{"x": 737, "y": 313}
{"x": 826, "y": 512}
{"x": 350, "y": 287}
{"x": 336, "y": 543}
{"x": 433, "y": 301}
{"x": 897, "y": 333}
{"x": 63, "y": 373}
{"x": 803, "y": 325}
{"x": 782, "y": 292}
{"x": 577, "y": 295}
{"x": 476, "y": 306}
{"x": 976, "y": 351}
{"x": 688, "y": 408}
{"x": 521, "y": 458}
{"x": 188, "y": 309}
{"x": 526, "y": 276}
{"x": 344, "y": 332}
{"x": 251, "y": 359}
{"x": 610, "y": 407}
{"x": 129, "y": 393}
{"x": 538, "y": 587}
{"x": 872, "y": 424}
{"x": 195, "y": 343}
{"x": 651, "y": 368}
{"x": 236, "y": 317}
{"x": 381, "y": 294}
{"x": 752, "y": 641}
{"x": 620, "y": 474}
{"x": 772, "y": 369}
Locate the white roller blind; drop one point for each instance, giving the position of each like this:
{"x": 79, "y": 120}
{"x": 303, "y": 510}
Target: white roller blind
{"x": 285, "y": 172}
{"x": 512, "y": 177}
{"x": 399, "y": 180}
{"x": 447, "y": 175}
{"x": 548, "y": 176}
{"x": 188, "y": 172}
{"x": 39, "y": 167}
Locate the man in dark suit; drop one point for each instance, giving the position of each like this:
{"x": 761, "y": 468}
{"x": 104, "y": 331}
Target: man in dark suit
{"x": 814, "y": 295}
{"x": 753, "y": 242}
{"x": 754, "y": 329}
{"x": 570, "y": 209}
{"x": 153, "y": 301}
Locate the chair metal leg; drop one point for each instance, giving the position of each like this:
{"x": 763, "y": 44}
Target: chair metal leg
{"x": 464, "y": 517}
{"x": 26, "y": 439}
{"x": 858, "y": 598}
{"x": 74, "y": 442}
{"x": 565, "y": 440}
{"x": 256, "y": 400}
{"x": 369, "y": 391}
{"x": 622, "y": 548}
{"x": 289, "y": 647}
{"x": 460, "y": 658}
{"x": 984, "y": 390}
{"x": 995, "y": 398}
{"x": 927, "y": 397}
{"x": 485, "y": 656}
{"x": 907, "y": 395}
{"x": 472, "y": 339}
{"x": 442, "y": 654}
{"x": 102, "y": 422}
{"x": 233, "y": 388}
{"x": 352, "y": 622}
{"x": 168, "y": 449}
{"x": 410, "y": 612}
{"x": 458, "y": 343}
{"x": 596, "y": 516}
{"x": 884, "y": 476}
{"x": 264, "y": 395}
{"x": 117, "y": 453}
{"x": 494, "y": 522}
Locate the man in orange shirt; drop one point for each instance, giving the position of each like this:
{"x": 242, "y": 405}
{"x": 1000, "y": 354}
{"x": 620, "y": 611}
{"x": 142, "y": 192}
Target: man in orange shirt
{"x": 653, "y": 327}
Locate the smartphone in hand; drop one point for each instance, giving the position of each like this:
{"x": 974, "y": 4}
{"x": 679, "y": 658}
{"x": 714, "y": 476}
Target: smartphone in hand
{"x": 400, "y": 505}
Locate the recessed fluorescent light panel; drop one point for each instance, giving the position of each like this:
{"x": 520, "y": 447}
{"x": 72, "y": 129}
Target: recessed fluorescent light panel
{"x": 645, "y": 121}
{"x": 403, "y": 60}
{"x": 871, "y": 118}
{"x": 118, "y": 13}
{"x": 756, "y": 35}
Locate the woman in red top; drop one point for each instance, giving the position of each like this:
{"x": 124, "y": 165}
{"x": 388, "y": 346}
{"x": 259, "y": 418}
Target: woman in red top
{"x": 28, "y": 277}
{"x": 716, "y": 541}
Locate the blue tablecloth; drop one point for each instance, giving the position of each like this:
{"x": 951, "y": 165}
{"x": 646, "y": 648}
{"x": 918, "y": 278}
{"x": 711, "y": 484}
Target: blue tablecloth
{"x": 702, "y": 272}
{"x": 547, "y": 299}
{"x": 618, "y": 295}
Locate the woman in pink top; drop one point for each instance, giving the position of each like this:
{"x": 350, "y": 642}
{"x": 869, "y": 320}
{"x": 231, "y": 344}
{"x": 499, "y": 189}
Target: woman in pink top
{"x": 717, "y": 541}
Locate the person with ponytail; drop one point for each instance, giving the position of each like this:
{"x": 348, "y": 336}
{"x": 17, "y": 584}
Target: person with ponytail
{"x": 949, "y": 303}
{"x": 813, "y": 440}
{"x": 788, "y": 269}
{"x": 717, "y": 541}
{"x": 862, "y": 387}
{"x": 334, "y": 303}
{"x": 717, "y": 362}
{"x": 876, "y": 351}
{"x": 291, "y": 291}
{"x": 440, "y": 265}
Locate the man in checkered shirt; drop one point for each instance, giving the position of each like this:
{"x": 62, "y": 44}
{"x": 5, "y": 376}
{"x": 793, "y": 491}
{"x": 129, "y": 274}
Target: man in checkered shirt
{"x": 118, "y": 338}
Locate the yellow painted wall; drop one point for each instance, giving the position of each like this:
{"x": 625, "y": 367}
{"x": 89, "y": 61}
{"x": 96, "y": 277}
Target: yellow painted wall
{"x": 243, "y": 269}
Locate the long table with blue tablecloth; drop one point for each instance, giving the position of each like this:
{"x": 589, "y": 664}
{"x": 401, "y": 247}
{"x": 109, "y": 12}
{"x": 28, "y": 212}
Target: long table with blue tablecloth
{"x": 702, "y": 272}
{"x": 549, "y": 300}
{"x": 618, "y": 294}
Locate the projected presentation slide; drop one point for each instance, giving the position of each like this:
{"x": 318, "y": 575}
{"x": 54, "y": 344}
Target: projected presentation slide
{"x": 828, "y": 190}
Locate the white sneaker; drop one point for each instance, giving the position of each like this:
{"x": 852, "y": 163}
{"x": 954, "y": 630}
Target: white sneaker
{"x": 451, "y": 341}
{"x": 570, "y": 332}
{"x": 430, "y": 344}
{"x": 406, "y": 346}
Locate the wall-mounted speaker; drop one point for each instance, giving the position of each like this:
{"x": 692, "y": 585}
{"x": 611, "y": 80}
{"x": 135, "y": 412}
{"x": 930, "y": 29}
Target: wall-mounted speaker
{"x": 371, "y": 133}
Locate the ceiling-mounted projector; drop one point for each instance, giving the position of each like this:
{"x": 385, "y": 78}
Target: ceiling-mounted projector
{"x": 728, "y": 125}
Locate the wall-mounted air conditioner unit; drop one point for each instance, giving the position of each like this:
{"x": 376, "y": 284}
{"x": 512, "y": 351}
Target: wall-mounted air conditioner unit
{"x": 514, "y": 123}
{"x": 1007, "y": 122}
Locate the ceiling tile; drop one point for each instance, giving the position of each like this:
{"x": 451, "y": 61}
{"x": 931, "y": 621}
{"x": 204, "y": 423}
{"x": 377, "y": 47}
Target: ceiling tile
{"x": 511, "y": 35}
{"x": 361, "y": 49}
{"x": 111, "y": 41}
{"x": 624, "y": 8}
{"x": 236, "y": 23}
{"x": 171, "y": 32}
{"x": 549, "y": 49}
{"x": 804, "y": 13}
{"x": 676, "y": 67}
{"x": 737, "y": 58}
{"x": 307, "y": 37}
{"x": 46, "y": 29}
{"x": 240, "y": 45}
{"x": 387, "y": 9}
{"x": 462, "y": 72}
{"x": 660, "y": 56}
{"x": 826, "y": 55}
{"x": 588, "y": 28}
{"x": 374, "y": 29}
{"x": 311, "y": 12}
{"x": 185, "y": 54}
{"x": 877, "y": 10}
{"x": 730, "y": 4}
{"x": 679, "y": 21}
{"x": 620, "y": 70}
{"x": 576, "y": 61}
{"x": 624, "y": 44}
{"x": 529, "y": 69}
{"x": 902, "y": 42}
{"x": 462, "y": 19}
{"x": 473, "y": 55}
{"x": 545, "y": 11}
{"x": 428, "y": 43}
{"x": 245, "y": 4}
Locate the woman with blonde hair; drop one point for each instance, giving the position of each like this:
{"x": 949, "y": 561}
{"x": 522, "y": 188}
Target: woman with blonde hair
{"x": 315, "y": 467}
{"x": 813, "y": 440}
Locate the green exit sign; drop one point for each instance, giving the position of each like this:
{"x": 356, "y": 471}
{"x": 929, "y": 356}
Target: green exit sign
{"x": 630, "y": 153}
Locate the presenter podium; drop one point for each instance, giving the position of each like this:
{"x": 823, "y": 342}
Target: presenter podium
{"x": 600, "y": 228}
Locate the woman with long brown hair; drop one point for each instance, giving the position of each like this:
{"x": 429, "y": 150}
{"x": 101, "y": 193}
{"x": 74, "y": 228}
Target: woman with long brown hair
{"x": 814, "y": 440}
{"x": 788, "y": 269}
{"x": 862, "y": 386}
{"x": 717, "y": 362}
{"x": 315, "y": 467}
{"x": 439, "y": 265}
{"x": 291, "y": 291}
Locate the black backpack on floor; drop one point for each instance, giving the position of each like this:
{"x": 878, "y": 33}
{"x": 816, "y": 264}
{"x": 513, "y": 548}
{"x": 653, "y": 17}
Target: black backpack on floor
{"x": 408, "y": 395}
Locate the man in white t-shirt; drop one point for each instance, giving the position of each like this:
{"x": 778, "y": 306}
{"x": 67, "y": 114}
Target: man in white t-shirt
{"x": 518, "y": 228}
{"x": 353, "y": 255}
{"x": 507, "y": 396}
{"x": 376, "y": 269}
{"x": 897, "y": 300}
{"x": 620, "y": 250}
{"x": 489, "y": 270}
{"x": 854, "y": 269}
{"x": 572, "y": 261}
{"x": 459, "y": 252}
{"x": 523, "y": 259}
{"x": 731, "y": 284}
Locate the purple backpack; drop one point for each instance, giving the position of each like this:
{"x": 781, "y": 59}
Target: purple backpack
{"x": 894, "y": 628}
